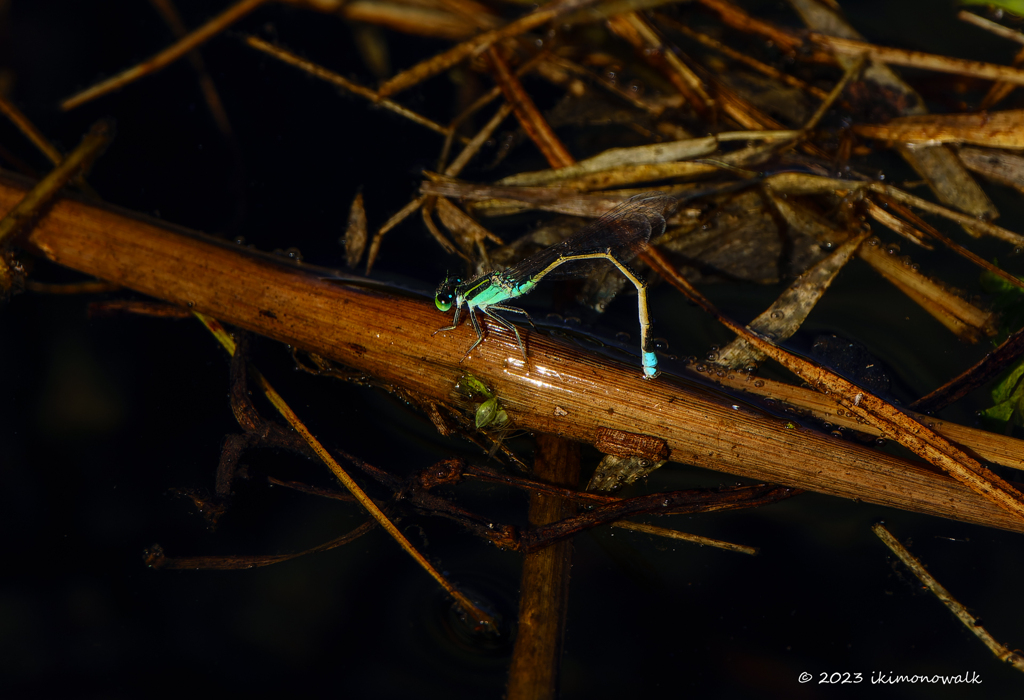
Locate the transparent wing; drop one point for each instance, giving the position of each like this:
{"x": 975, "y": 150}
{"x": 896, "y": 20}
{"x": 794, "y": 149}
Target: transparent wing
{"x": 624, "y": 231}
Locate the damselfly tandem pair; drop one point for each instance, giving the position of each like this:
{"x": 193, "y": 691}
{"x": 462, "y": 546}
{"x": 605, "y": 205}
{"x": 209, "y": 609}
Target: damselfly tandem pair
{"x": 617, "y": 237}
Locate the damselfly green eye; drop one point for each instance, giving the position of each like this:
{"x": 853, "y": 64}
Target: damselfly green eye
{"x": 445, "y": 294}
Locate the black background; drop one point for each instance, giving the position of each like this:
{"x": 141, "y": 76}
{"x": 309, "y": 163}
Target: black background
{"x": 102, "y": 418}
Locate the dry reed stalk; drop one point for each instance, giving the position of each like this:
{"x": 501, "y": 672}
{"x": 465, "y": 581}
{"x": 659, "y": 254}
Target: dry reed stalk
{"x": 563, "y": 391}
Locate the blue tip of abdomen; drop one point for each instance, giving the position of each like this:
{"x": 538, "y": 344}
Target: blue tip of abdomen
{"x": 650, "y": 362}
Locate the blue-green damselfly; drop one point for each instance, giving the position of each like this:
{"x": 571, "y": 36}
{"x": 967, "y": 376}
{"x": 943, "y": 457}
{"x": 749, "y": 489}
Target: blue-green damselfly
{"x": 617, "y": 237}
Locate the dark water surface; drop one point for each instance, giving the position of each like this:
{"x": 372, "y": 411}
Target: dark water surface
{"x": 102, "y": 418}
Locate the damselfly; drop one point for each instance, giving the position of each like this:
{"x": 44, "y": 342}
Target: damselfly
{"x": 616, "y": 237}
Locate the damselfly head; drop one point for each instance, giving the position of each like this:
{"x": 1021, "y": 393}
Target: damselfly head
{"x": 446, "y": 294}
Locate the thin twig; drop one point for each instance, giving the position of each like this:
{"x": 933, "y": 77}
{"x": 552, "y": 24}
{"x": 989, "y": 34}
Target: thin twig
{"x": 955, "y": 607}
{"x": 91, "y": 146}
{"x": 167, "y": 56}
{"x": 35, "y": 201}
{"x": 156, "y": 558}
{"x": 918, "y": 59}
{"x": 743, "y": 58}
{"x": 650, "y": 47}
{"x": 170, "y": 15}
{"x": 479, "y": 44}
{"x": 479, "y": 616}
{"x": 685, "y": 536}
{"x": 990, "y": 26}
{"x": 331, "y": 77}
{"x": 986, "y": 369}
{"x": 26, "y": 127}
{"x": 530, "y": 118}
